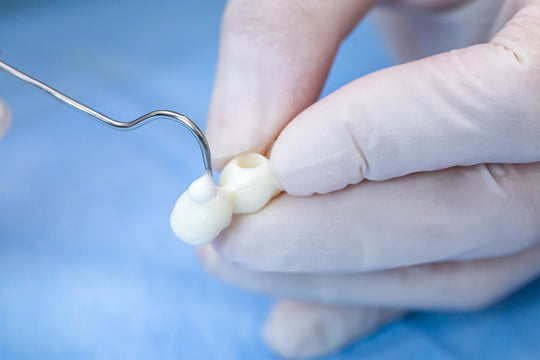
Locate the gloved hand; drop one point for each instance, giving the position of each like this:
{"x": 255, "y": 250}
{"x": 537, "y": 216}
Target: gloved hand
{"x": 5, "y": 118}
{"x": 459, "y": 232}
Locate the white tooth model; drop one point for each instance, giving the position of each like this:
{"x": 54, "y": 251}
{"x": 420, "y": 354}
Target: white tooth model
{"x": 203, "y": 210}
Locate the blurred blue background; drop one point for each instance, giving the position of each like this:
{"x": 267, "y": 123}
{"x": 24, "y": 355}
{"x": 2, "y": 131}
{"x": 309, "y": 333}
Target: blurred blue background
{"x": 88, "y": 266}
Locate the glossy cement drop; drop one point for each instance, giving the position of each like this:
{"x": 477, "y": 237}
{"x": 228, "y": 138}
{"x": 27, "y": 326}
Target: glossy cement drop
{"x": 203, "y": 189}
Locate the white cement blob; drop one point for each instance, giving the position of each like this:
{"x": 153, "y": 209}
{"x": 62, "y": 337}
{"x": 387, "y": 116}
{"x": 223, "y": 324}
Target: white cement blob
{"x": 203, "y": 189}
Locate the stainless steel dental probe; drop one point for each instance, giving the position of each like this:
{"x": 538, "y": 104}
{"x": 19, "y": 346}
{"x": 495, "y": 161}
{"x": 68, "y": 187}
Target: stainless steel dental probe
{"x": 140, "y": 121}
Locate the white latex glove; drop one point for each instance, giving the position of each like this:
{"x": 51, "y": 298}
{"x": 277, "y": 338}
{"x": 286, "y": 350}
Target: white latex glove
{"x": 5, "y": 118}
{"x": 458, "y": 238}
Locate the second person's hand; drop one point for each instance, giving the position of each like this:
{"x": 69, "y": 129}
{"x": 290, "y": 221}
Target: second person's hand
{"x": 5, "y": 118}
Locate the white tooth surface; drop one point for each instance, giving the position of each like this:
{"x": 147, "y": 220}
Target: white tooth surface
{"x": 248, "y": 180}
{"x": 198, "y": 223}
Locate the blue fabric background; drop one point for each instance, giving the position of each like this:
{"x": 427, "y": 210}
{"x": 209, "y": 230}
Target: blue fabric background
{"x": 88, "y": 266}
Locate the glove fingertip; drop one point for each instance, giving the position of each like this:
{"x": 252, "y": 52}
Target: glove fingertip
{"x": 299, "y": 330}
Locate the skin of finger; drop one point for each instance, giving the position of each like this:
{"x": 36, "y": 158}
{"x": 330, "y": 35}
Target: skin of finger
{"x": 413, "y": 33}
{"x": 306, "y": 330}
{"x": 273, "y": 60}
{"x": 465, "y": 213}
{"x": 447, "y": 286}
{"x": 5, "y": 118}
{"x": 474, "y": 105}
